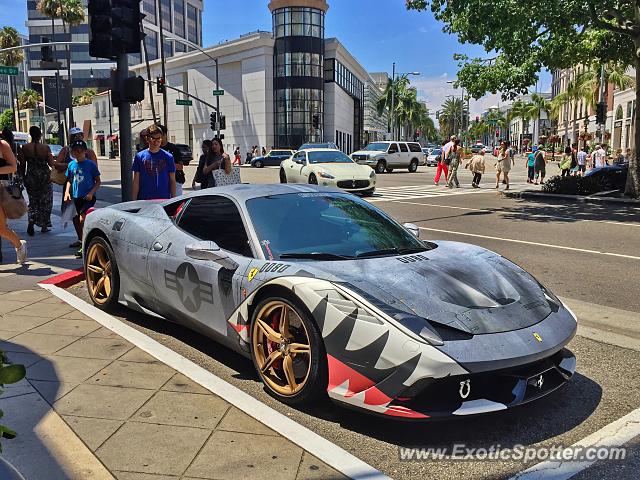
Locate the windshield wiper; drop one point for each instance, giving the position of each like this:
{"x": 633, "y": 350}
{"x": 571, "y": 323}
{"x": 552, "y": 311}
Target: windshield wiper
{"x": 391, "y": 251}
{"x": 316, "y": 256}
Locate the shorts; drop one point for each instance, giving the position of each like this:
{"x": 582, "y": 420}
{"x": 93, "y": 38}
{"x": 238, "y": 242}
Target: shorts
{"x": 582, "y": 168}
{"x": 82, "y": 205}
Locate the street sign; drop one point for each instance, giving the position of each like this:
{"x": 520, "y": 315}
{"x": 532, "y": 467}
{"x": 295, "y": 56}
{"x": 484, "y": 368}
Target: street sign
{"x": 218, "y": 93}
{"x": 187, "y": 103}
{"x": 4, "y": 70}
{"x": 36, "y": 119}
{"x": 217, "y": 126}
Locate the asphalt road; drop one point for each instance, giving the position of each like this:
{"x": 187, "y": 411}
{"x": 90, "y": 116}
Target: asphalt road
{"x": 582, "y": 252}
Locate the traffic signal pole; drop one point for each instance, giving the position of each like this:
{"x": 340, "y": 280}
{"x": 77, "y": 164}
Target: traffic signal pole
{"x": 218, "y": 101}
{"x": 124, "y": 122}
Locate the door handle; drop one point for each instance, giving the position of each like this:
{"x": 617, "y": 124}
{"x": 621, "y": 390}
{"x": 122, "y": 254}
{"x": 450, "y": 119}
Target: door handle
{"x": 157, "y": 247}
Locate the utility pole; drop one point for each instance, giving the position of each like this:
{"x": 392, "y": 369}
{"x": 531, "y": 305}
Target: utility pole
{"x": 601, "y": 100}
{"x": 165, "y": 108}
{"x": 217, "y": 101}
{"x": 124, "y": 121}
{"x": 111, "y": 155}
{"x": 393, "y": 98}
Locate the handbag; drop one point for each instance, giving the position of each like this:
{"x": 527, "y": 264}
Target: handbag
{"x": 12, "y": 200}
{"x": 58, "y": 177}
{"x": 222, "y": 179}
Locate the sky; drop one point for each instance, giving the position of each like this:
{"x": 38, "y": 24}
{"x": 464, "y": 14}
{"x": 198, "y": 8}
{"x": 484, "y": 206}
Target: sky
{"x": 376, "y": 32}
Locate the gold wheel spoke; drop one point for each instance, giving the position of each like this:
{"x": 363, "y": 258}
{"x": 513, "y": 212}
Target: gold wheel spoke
{"x": 287, "y": 364}
{"x": 284, "y": 322}
{"x": 300, "y": 349}
{"x": 107, "y": 267}
{"x": 107, "y": 286}
{"x": 269, "y": 332}
{"x": 102, "y": 259}
{"x": 95, "y": 269}
{"x": 275, "y": 355}
{"x": 98, "y": 286}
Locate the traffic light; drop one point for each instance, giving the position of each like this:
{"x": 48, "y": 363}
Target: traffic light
{"x": 45, "y": 51}
{"x": 477, "y": 119}
{"x": 223, "y": 122}
{"x": 212, "y": 118}
{"x": 115, "y": 28}
{"x": 160, "y": 85}
{"x": 133, "y": 89}
{"x": 316, "y": 121}
{"x": 601, "y": 113}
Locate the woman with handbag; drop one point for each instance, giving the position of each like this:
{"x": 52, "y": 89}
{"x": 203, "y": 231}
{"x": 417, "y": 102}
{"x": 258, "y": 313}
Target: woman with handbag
{"x": 36, "y": 161}
{"x": 10, "y": 206}
{"x": 216, "y": 160}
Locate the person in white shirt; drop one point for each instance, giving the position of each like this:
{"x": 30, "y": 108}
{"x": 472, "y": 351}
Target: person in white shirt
{"x": 599, "y": 156}
{"x": 582, "y": 160}
{"x": 442, "y": 165}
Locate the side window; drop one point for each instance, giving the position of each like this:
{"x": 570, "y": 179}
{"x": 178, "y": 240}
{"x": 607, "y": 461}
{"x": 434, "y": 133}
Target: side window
{"x": 403, "y": 147}
{"x": 393, "y": 148}
{"x": 415, "y": 147}
{"x": 216, "y": 219}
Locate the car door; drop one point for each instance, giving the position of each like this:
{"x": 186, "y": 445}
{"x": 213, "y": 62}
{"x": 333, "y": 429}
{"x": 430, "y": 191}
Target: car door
{"x": 296, "y": 167}
{"x": 272, "y": 159}
{"x": 404, "y": 156}
{"x": 201, "y": 291}
{"x": 393, "y": 155}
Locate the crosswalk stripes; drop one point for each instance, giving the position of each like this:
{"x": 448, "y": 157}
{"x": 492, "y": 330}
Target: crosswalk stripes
{"x": 405, "y": 192}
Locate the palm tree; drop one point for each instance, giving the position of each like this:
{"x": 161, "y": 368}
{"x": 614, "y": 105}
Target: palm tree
{"x": 9, "y": 38}
{"x": 399, "y": 89}
{"x": 451, "y": 112}
{"x": 71, "y": 12}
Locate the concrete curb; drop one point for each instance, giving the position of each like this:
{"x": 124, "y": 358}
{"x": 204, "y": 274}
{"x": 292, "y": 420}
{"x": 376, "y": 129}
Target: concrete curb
{"x": 576, "y": 198}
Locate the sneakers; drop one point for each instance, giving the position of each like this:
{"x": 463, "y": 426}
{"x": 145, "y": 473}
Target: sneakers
{"x": 30, "y": 231}
{"x": 21, "y": 252}
{"x": 79, "y": 253}
{"x": 76, "y": 244}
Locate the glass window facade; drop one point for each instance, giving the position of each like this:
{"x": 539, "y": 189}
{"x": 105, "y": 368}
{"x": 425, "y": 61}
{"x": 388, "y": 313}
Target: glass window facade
{"x": 299, "y": 64}
{"x": 151, "y": 41}
{"x": 149, "y": 9}
{"x": 298, "y": 21}
{"x": 192, "y": 24}
{"x": 166, "y": 15}
{"x": 178, "y": 18}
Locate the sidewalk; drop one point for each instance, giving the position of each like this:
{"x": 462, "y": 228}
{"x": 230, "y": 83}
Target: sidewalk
{"x": 95, "y": 406}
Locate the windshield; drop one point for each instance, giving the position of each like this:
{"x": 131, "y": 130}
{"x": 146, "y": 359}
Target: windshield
{"x": 307, "y": 146}
{"x": 436, "y": 151}
{"x": 377, "y": 147}
{"x": 326, "y": 226}
{"x": 333, "y": 156}
{"x": 279, "y": 153}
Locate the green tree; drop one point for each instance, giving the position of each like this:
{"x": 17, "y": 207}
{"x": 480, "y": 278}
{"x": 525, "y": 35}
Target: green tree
{"x": 85, "y": 97}
{"x": 452, "y": 112}
{"x": 6, "y": 119}
{"x": 29, "y": 99}
{"x": 553, "y": 34}
{"x": 71, "y": 12}
{"x": 9, "y": 38}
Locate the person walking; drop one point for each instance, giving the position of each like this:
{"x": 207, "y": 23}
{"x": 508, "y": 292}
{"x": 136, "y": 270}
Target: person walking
{"x": 9, "y": 166}
{"x": 599, "y": 156}
{"x": 565, "y": 162}
{"x": 217, "y": 159}
{"x": 36, "y": 162}
{"x": 503, "y": 165}
{"x": 581, "y": 159}
{"x": 154, "y": 171}
{"x": 531, "y": 161}
{"x": 540, "y": 165}
{"x": 455, "y": 156}
{"x": 199, "y": 176}
{"x": 444, "y": 160}
{"x": 236, "y": 156}
{"x": 178, "y": 161}
{"x": 84, "y": 181}
{"x": 477, "y": 166}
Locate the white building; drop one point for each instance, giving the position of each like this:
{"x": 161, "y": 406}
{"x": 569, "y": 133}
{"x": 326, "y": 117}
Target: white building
{"x": 529, "y": 131}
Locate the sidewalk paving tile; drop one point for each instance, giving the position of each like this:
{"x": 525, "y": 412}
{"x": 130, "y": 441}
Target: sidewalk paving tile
{"x": 64, "y": 326}
{"x": 237, "y": 421}
{"x": 52, "y": 310}
{"x": 173, "y": 448}
{"x": 25, "y": 359}
{"x": 232, "y": 455}
{"x": 103, "y": 348}
{"x": 22, "y": 387}
{"x": 21, "y": 323}
{"x": 7, "y": 306}
{"x": 29, "y": 296}
{"x": 76, "y": 315}
{"x": 313, "y": 469}
{"x": 139, "y": 356}
{"x": 56, "y": 368}
{"x": 5, "y": 334}
{"x": 36, "y": 343}
{"x": 99, "y": 401}
{"x": 183, "y": 409}
{"x": 144, "y": 476}
{"x": 181, "y": 383}
{"x": 52, "y": 391}
{"x": 104, "y": 332}
{"x": 131, "y": 374}
{"x": 92, "y": 431}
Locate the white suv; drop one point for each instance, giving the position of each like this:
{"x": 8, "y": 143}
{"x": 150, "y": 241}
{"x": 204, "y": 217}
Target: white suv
{"x": 385, "y": 156}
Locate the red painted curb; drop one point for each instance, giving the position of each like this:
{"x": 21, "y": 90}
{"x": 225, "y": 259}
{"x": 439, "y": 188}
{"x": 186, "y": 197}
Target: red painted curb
{"x": 67, "y": 279}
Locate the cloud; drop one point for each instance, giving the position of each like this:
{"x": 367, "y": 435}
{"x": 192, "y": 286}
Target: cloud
{"x": 434, "y": 90}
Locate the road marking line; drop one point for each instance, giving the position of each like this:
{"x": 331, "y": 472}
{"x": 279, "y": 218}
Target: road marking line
{"x": 328, "y": 452}
{"x": 615, "y": 434}
{"x": 489, "y": 210}
{"x": 513, "y": 240}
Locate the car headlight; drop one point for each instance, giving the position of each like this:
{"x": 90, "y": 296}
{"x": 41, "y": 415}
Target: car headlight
{"x": 326, "y": 175}
{"x": 372, "y": 174}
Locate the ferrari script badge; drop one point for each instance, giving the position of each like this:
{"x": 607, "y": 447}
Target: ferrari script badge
{"x": 540, "y": 381}
{"x": 465, "y": 389}
{"x": 252, "y": 273}
{"x": 537, "y": 336}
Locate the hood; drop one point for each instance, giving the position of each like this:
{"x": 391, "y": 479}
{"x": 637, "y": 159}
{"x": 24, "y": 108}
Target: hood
{"x": 369, "y": 152}
{"x": 343, "y": 170}
{"x": 455, "y": 285}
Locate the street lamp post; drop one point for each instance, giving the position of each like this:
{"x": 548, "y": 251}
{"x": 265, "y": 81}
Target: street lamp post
{"x": 393, "y": 93}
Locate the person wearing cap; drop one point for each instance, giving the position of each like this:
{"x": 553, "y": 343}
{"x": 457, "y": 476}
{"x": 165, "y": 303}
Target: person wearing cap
{"x": 84, "y": 181}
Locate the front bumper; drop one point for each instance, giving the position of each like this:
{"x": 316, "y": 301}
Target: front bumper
{"x": 351, "y": 185}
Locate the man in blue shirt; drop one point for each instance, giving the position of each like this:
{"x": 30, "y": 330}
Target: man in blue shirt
{"x": 83, "y": 182}
{"x": 154, "y": 170}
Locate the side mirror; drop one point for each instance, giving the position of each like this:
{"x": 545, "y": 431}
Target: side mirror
{"x": 298, "y": 161}
{"x": 414, "y": 229}
{"x": 210, "y": 251}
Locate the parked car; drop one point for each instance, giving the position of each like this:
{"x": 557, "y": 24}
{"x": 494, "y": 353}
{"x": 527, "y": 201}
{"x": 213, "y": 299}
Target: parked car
{"x": 329, "y": 168}
{"x": 386, "y": 156}
{"x": 434, "y": 157}
{"x": 477, "y": 148}
{"x": 271, "y": 159}
{"x": 330, "y": 145}
{"x": 610, "y": 177}
{"x": 185, "y": 153}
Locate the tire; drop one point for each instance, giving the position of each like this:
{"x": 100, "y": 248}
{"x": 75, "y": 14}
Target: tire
{"x": 381, "y": 166}
{"x": 100, "y": 262}
{"x": 413, "y": 166}
{"x": 368, "y": 193}
{"x": 283, "y": 176}
{"x": 313, "y": 180}
{"x": 308, "y": 367}
{"x": 258, "y": 164}
{"x": 389, "y": 170}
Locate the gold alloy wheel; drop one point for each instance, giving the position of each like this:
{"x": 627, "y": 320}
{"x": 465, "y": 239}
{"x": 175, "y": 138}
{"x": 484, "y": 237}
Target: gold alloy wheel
{"x": 281, "y": 348}
{"x": 99, "y": 273}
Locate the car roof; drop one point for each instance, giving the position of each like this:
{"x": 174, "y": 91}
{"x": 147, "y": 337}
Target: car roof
{"x": 319, "y": 150}
{"x": 244, "y": 191}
